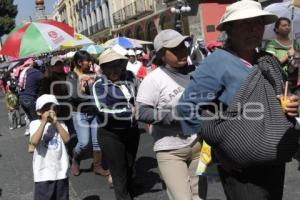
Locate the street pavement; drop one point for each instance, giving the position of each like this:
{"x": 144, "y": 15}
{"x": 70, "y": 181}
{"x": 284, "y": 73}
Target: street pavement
{"x": 16, "y": 181}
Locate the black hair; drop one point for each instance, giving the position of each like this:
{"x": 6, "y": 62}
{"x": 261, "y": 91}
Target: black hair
{"x": 277, "y": 23}
{"x": 80, "y": 56}
{"x": 157, "y": 57}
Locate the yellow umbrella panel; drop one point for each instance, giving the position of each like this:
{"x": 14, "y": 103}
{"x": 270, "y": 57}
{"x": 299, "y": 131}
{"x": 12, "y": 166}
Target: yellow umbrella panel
{"x": 78, "y": 41}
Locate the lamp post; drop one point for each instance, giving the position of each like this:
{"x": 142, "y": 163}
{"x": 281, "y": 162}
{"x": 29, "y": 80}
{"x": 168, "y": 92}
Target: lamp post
{"x": 181, "y": 6}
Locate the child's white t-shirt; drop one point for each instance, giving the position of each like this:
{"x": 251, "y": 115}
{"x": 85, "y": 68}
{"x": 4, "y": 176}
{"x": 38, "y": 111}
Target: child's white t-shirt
{"x": 50, "y": 158}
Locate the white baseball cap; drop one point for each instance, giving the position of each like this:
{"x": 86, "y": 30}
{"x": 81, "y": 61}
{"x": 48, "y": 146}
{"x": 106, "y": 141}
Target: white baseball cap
{"x": 169, "y": 39}
{"x": 137, "y": 52}
{"x": 245, "y": 9}
{"x": 55, "y": 59}
{"x": 130, "y": 52}
{"x": 45, "y": 99}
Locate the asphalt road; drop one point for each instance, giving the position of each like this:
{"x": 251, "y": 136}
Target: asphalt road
{"x": 16, "y": 181}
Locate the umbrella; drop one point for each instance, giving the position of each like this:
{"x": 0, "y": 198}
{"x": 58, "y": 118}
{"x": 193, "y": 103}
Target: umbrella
{"x": 77, "y": 41}
{"x": 13, "y": 65}
{"x": 124, "y": 42}
{"x": 69, "y": 54}
{"x": 284, "y": 9}
{"x": 93, "y": 48}
{"x": 142, "y": 42}
{"x": 34, "y": 38}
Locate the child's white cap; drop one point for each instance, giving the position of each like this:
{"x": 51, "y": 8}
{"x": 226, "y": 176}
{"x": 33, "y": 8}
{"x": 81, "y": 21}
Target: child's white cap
{"x": 44, "y": 99}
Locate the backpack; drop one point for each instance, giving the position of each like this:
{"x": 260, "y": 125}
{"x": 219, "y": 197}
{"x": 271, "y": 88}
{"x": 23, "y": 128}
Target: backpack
{"x": 270, "y": 137}
{"x": 11, "y": 100}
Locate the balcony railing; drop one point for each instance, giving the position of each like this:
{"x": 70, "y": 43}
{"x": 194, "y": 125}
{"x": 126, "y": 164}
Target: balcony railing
{"x": 99, "y": 26}
{"x": 130, "y": 10}
{"x": 144, "y": 6}
{"x": 85, "y": 32}
{"x": 133, "y": 10}
{"x": 118, "y": 17}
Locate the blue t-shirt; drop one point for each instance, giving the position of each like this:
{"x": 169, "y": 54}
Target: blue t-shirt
{"x": 220, "y": 76}
{"x": 33, "y": 80}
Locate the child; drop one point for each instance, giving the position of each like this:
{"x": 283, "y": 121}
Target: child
{"x": 11, "y": 101}
{"x": 50, "y": 158}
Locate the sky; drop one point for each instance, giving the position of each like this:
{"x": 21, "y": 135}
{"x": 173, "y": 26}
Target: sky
{"x": 26, "y": 8}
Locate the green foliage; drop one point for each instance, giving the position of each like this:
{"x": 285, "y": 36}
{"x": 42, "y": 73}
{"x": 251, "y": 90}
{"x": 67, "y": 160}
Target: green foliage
{"x": 8, "y": 12}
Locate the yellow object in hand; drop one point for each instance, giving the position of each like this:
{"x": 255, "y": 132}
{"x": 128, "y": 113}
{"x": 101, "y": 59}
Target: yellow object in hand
{"x": 205, "y": 153}
{"x": 284, "y": 102}
{"x": 204, "y": 159}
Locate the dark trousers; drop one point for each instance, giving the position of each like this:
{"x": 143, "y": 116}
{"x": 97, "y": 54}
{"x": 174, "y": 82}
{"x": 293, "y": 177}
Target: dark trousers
{"x": 259, "y": 183}
{"x": 52, "y": 190}
{"x": 119, "y": 149}
{"x": 28, "y": 105}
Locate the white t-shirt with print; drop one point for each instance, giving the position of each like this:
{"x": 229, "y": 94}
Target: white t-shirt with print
{"x": 50, "y": 158}
{"x": 159, "y": 90}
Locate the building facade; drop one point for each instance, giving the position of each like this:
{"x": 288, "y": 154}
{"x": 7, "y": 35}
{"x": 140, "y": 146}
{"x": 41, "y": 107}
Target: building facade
{"x": 63, "y": 11}
{"x": 94, "y": 18}
{"x": 141, "y": 19}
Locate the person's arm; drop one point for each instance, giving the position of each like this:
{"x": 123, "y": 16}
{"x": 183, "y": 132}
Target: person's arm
{"x": 61, "y": 130}
{"x": 74, "y": 89}
{"x": 288, "y": 56}
{"x": 202, "y": 89}
{"x": 38, "y": 134}
{"x": 270, "y": 48}
{"x": 149, "y": 114}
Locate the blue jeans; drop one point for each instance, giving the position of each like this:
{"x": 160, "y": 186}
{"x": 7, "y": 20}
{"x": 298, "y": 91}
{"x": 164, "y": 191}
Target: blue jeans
{"x": 86, "y": 127}
{"x": 28, "y": 105}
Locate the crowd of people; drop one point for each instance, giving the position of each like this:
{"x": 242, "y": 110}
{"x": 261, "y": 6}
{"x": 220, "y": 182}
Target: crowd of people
{"x": 92, "y": 108}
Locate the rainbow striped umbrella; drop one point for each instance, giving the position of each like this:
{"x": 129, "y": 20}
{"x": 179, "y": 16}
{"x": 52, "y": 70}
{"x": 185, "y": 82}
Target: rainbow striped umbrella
{"x": 34, "y": 38}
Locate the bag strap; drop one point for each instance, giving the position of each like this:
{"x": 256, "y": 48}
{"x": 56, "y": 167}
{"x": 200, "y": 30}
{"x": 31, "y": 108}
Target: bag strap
{"x": 270, "y": 69}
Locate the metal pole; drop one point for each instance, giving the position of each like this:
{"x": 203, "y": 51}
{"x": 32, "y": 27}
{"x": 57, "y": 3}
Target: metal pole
{"x": 178, "y": 22}
{"x": 292, "y": 25}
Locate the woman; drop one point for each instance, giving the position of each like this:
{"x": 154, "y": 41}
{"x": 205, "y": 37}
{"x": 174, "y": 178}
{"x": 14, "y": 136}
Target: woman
{"x": 29, "y": 83}
{"x": 83, "y": 115}
{"x": 284, "y": 48}
{"x": 219, "y": 79}
{"x": 114, "y": 96}
{"x": 177, "y": 156}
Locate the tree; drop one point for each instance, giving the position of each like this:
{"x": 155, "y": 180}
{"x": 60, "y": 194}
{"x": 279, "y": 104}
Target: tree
{"x": 8, "y": 12}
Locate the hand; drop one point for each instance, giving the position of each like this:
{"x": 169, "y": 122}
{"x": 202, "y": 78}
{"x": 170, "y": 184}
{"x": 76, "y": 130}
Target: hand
{"x": 291, "y": 106}
{"x": 53, "y": 117}
{"x": 89, "y": 78}
{"x": 45, "y": 116}
{"x": 291, "y": 53}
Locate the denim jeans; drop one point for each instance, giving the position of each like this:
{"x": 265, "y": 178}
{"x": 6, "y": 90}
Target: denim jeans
{"x": 86, "y": 129}
{"x": 28, "y": 105}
